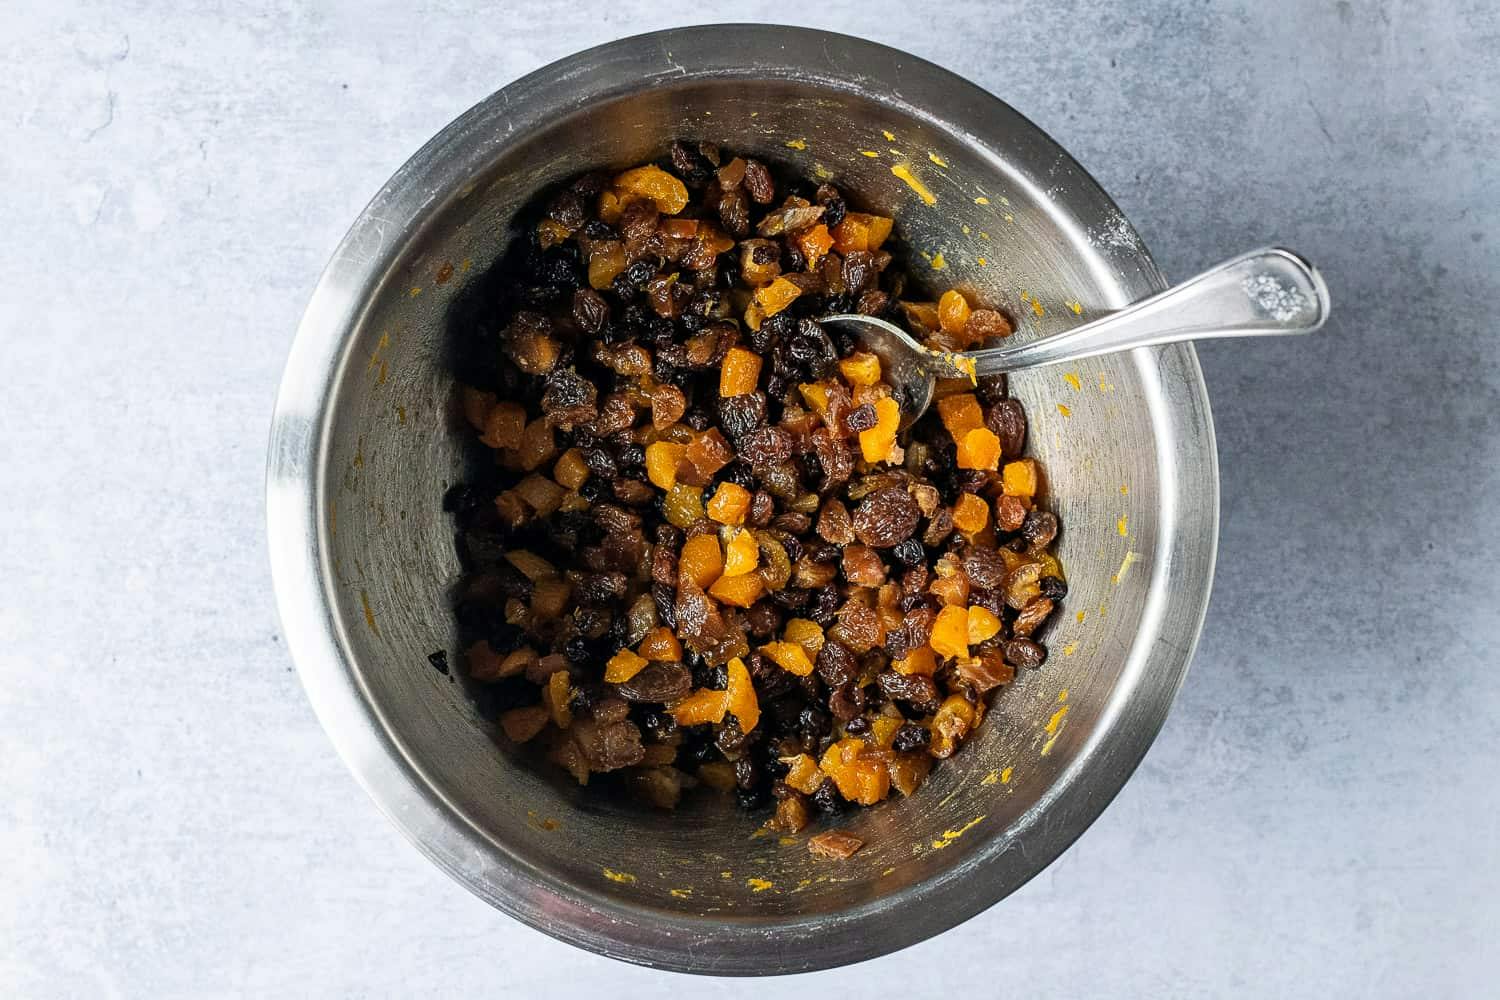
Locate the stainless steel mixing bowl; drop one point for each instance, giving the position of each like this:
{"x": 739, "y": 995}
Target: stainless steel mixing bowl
{"x": 365, "y": 440}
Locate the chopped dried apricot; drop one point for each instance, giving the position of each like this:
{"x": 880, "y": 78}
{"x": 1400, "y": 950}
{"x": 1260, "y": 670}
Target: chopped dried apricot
{"x": 606, "y": 261}
{"x": 861, "y": 368}
{"x": 571, "y": 470}
{"x": 522, "y": 725}
{"x": 623, "y": 666}
{"x": 740, "y": 373}
{"x": 743, "y": 704}
{"x": 729, "y": 504}
{"x": 970, "y": 514}
{"x": 861, "y": 231}
{"x": 741, "y": 555}
{"x": 983, "y": 624}
{"x": 661, "y": 463}
{"x": 916, "y": 661}
{"x": 789, "y": 656}
{"x": 1019, "y": 478}
{"x": 950, "y": 634}
{"x": 876, "y": 444}
{"x": 814, "y": 244}
{"x": 704, "y": 705}
{"x": 740, "y": 591}
{"x": 669, "y": 193}
{"x": 803, "y": 774}
{"x": 701, "y": 561}
{"x": 661, "y": 644}
{"x": 503, "y": 425}
{"x": 979, "y": 449}
{"x": 776, "y": 296}
{"x": 559, "y": 692}
{"x": 709, "y": 452}
{"x": 815, "y": 395}
{"x": 960, "y": 414}
{"x": 953, "y": 311}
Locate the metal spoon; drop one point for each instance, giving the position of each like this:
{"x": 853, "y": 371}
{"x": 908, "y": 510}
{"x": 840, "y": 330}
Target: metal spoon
{"x": 1269, "y": 292}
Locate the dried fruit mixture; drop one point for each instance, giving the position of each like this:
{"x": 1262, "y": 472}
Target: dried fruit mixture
{"x": 701, "y": 554}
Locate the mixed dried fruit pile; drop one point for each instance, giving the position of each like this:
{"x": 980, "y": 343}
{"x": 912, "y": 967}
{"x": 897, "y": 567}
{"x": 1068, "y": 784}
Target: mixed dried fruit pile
{"x": 703, "y": 554}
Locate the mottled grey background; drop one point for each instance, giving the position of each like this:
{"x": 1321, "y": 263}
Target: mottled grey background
{"x": 1320, "y": 813}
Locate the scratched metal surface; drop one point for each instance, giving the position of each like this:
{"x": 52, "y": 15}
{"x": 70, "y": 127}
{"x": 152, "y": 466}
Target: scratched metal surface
{"x": 1318, "y": 814}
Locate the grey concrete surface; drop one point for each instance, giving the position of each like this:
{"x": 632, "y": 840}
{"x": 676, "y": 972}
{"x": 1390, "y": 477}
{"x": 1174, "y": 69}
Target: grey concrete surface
{"x": 1319, "y": 816}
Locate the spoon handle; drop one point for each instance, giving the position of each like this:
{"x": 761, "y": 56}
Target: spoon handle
{"x": 1264, "y": 293}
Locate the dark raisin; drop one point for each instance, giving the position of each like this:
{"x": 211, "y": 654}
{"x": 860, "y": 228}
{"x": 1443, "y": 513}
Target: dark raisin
{"x": 577, "y": 650}
{"x": 752, "y": 798}
{"x": 861, "y": 418}
{"x": 439, "y": 660}
{"x": 590, "y": 311}
{"x": 597, "y": 229}
{"x": 1039, "y": 529}
{"x": 825, "y": 606}
{"x": 813, "y": 724}
{"x": 827, "y": 798}
{"x": 659, "y": 724}
{"x": 834, "y": 210}
{"x": 985, "y": 568}
{"x": 739, "y": 415}
{"x": 1007, "y": 419}
{"x": 911, "y": 737}
{"x": 462, "y": 498}
{"x": 857, "y": 727}
{"x": 993, "y": 388}
{"x": 846, "y": 701}
{"x": 657, "y": 683}
{"x": 765, "y": 446}
{"x": 567, "y": 209}
{"x": 836, "y": 664}
{"x": 593, "y": 489}
{"x": 666, "y": 604}
{"x": 886, "y": 517}
{"x": 1024, "y": 653}
{"x": 910, "y": 552}
{"x": 759, "y": 183}
{"x": 918, "y": 689}
{"x": 1053, "y": 587}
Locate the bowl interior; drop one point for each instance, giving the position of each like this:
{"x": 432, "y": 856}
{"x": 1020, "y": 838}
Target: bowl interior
{"x": 1044, "y": 245}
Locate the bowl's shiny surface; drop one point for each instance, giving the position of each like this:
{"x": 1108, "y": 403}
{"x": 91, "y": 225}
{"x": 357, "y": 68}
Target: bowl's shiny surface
{"x": 365, "y": 441}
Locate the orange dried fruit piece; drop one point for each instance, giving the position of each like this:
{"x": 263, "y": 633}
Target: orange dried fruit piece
{"x": 571, "y": 470}
{"x": 814, "y": 244}
{"x": 960, "y": 414}
{"x": 908, "y": 770}
{"x": 815, "y": 395}
{"x": 861, "y": 368}
{"x": 521, "y": 725}
{"x": 1019, "y": 478}
{"x": 953, "y": 311}
{"x": 979, "y": 449}
{"x": 739, "y": 591}
{"x": 802, "y": 773}
{"x": 549, "y": 599}
{"x": 861, "y": 231}
{"x": 950, "y": 633}
{"x": 877, "y": 443}
{"x": 789, "y": 656}
{"x": 477, "y": 405}
{"x": 683, "y": 505}
{"x": 983, "y": 624}
{"x": 661, "y": 463}
{"x": 661, "y": 644}
{"x": 709, "y": 452}
{"x": 776, "y": 296}
{"x": 701, "y": 560}
{"x": 1050, "y": 565}
{"x": 650, "y": 181}
{"x": 862, "y": 781}
{"x": 537, "y": 444}
{"x": 740, "y": 374}
{"x": 921, "y": 314}
{"x": 883, "y": 731}
{"x": 678, "y": 229}
{"x": 504, "y": 425}
{"x": 550, "y": 232}
{"x": 623, "y": 666}
{"x": 741, "y": 555}
{"x": 805, "y": 633}
{"x": 704, "y": 705}
{"x": 611, "y": 206}
{"x": 729, "y": 504}
{"x": 970, "y": 514}
{"x": 743, "y": 704}
{"x": 835, "y": 845}
{"x": 606, "y": 261}
{"x": 916, "y": 661}
{"x": 558, "y": 693}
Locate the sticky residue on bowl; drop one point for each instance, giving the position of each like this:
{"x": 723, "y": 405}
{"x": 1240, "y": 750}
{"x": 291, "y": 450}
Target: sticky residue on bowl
{"x": 903, "y": 171}
{"x": 1072, "y": 379}
{"x": 759, "y": 884}
{"x": 949, "y": 836}
{"x": 796, "y": 144}
{"x": 624, "y": 878}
